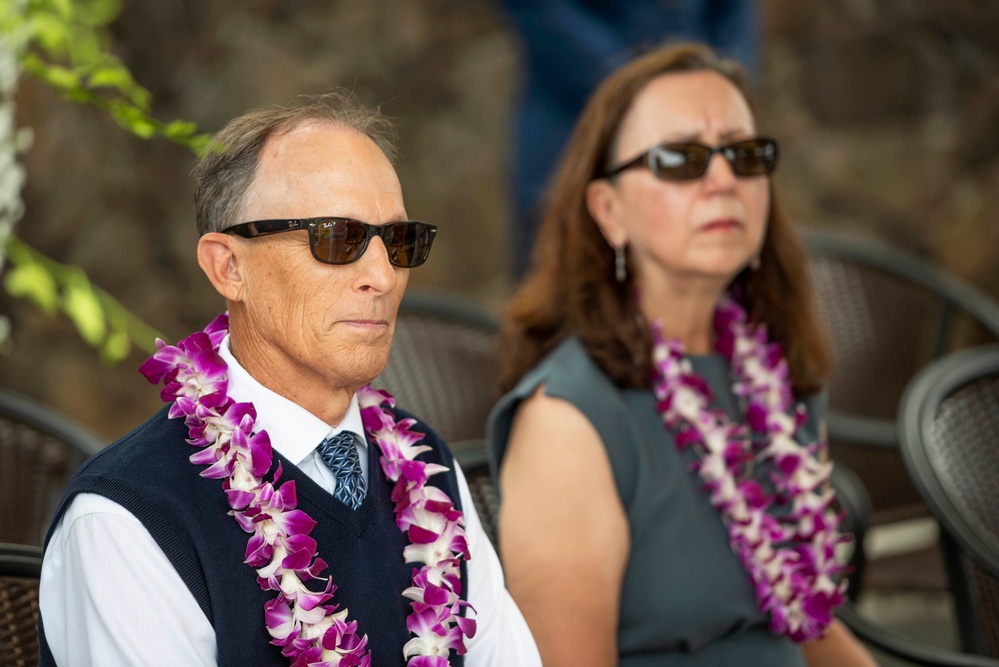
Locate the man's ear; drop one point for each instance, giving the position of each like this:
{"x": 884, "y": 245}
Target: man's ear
{"x": 601, "y": 201}
{"x": 219, "y": 258}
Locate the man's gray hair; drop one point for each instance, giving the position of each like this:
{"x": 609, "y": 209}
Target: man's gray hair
{"x": 227, "y": 167}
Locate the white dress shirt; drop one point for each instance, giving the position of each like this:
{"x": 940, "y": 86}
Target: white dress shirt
{"x": 110, "y": 596}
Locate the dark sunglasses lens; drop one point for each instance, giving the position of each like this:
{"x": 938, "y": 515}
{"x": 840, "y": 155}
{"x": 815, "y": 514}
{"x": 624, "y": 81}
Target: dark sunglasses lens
{"x": 339, "y": 241}
{"x": 408, "y": 243}
{"x": 680, "y": 162}
{"x": 754, "y": 157}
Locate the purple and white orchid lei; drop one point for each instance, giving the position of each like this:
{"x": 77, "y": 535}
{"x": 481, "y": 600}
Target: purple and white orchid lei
{"x": 790, "y": 559}
{"x": 311, "y": 632}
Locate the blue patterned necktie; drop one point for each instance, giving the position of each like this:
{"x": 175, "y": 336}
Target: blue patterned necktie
{"x": 340, "y": 454}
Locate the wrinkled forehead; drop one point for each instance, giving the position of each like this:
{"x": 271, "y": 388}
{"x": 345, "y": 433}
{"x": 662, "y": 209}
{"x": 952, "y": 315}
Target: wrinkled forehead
{"x": 323, "y": 169}
{"x": 684, "y": 106}
{"x": 319, "y": 147}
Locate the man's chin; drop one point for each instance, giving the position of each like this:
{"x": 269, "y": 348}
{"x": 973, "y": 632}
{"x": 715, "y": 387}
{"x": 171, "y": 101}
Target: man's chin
{"x": 367, "y": 364}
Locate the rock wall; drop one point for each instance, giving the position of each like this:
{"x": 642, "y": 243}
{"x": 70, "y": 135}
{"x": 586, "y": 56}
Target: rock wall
{"x": 890, "y": 115}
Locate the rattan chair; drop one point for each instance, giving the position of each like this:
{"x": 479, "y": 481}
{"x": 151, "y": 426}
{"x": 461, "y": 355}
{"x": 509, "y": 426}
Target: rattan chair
{"x": 20, "y": 569}
{"x": 474, "y": 461}
{"x": 39, "y": 452}
{"x": 889, "y": 314}
{"x": 443, "y": 365}
{"x": 854, "y": 503}
{"x": 949, "y": 421}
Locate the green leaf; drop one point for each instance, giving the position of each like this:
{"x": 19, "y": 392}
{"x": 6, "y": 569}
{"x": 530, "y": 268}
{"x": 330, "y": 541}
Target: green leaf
{"x": 64, "y": 9}
{"x": 85, "y": 49}
{"x": 84, "y": 308}
{"x": 59, "y": 77}
{"x": 180, "y": 129}
{"x": 32, "y": 281}
{"x": 110, "y": 77}
{"x": 142, "y": 127}
{"x": 116, "y": 347}
{"x": 141, "y": 97}
{"x": 132, "y": 119}
{"x": 50, "y": 33}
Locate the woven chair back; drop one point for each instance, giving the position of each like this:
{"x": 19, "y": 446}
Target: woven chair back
{"x": 950, "y": 436}
{"x": 20, "y": 569}
{"x": 443, "y": 365}
{"x": 39, "y": 452}
{"x": 888, "y": 314}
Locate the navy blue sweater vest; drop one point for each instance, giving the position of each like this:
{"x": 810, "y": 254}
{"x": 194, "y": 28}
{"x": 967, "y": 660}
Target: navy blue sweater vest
{"x": 148, "y": 473}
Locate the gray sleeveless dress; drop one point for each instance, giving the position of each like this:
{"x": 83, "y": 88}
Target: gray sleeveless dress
{"x": 686, "y": 599}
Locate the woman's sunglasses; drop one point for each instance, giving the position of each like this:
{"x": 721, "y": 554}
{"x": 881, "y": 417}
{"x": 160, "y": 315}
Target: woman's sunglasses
{"x": 343, "y": 240}
{"x": 687, "y": 161}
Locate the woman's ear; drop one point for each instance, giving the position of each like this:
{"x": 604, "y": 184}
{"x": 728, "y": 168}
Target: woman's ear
{"x": 219, "y": 258}
{"x": 602, "y": 202}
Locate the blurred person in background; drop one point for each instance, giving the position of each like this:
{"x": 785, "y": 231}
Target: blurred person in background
{"x": 664, "y": 498}
{"x": 569, "y": 46}
{"x": 164, "y": 554}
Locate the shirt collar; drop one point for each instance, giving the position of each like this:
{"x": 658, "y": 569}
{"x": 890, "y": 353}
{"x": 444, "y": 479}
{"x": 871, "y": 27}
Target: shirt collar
{"x": 294, "y": 431}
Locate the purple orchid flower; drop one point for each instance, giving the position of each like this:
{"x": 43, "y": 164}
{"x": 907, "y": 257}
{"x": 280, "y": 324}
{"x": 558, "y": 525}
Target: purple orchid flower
{"x": 791, "y": 561}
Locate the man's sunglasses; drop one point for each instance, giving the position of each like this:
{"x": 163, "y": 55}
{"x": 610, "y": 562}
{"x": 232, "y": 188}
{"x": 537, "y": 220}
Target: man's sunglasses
{"x": 343, "y": 240}
{"x": 687, "y": 161}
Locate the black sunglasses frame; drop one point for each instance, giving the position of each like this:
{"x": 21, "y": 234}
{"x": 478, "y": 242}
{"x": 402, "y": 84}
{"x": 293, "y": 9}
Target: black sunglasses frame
{"x": 648, "y": 158}
{"x": 250, "y": 230}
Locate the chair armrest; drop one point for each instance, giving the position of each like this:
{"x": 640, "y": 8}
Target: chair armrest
{"x": 853, "y": 499}
{"x": 43, "y": 419}
{"x": 900, "y": 646}
{"x": 852, "y": 496}
{"x": 19, "y": 560}
{"x": 470, "y": 453}
{"x": 12, "y": 549}
{"x": 853, "y": 429}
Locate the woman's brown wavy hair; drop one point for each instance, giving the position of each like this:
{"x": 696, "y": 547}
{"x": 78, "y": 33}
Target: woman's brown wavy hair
{"x": 570, "y": 288}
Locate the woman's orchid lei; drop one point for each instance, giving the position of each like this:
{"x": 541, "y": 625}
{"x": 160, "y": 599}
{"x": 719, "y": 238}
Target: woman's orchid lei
{"x": 790, "y": 559}
{"x": 311, "y": 632}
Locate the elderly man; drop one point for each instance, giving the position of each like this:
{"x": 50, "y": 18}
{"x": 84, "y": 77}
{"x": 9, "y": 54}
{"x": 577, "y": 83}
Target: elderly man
{"x": 312, "y": 522}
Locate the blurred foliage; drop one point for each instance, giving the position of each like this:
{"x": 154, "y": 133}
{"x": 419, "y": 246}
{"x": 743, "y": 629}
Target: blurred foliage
{"x": 99, "y": 318}
{"x": 68, "y": 47}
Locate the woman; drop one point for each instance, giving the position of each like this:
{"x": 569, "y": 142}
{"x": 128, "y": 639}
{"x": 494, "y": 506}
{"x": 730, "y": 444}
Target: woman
{"x": 661, "y": 501}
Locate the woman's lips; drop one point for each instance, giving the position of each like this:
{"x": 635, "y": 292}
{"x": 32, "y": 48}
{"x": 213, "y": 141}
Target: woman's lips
{"x": 722, "y": 225}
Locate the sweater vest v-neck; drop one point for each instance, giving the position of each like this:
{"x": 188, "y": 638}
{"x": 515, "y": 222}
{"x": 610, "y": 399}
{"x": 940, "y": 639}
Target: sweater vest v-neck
{"x": 149, "y": 474}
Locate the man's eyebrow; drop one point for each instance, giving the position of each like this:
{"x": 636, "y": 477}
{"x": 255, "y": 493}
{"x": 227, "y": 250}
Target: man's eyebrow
{"x": 398, "y": 216}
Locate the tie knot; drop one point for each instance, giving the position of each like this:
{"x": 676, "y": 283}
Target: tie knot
{"x": 339, "y": 453}
{"x": 341, "y": 440}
